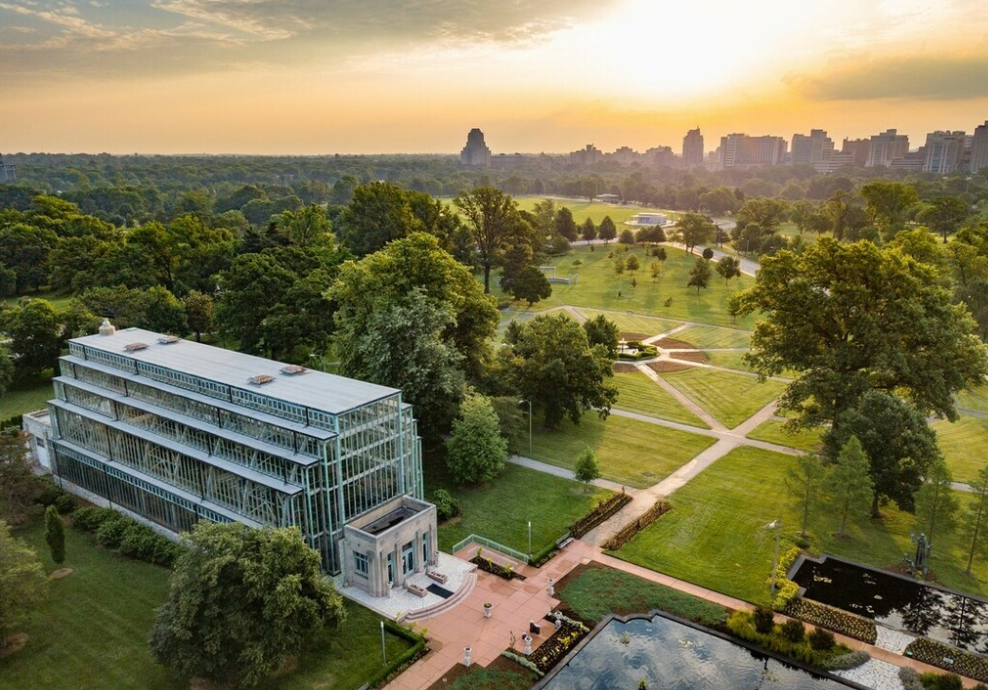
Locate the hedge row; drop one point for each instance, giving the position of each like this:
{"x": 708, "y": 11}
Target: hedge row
{"x": 114, "y": 530}
{"x": 629, "y": 531}
{"x": 403, "y": 660}
{"x": 603, "y": 511}
{"x": 936, "y": 654}
{"x": 642, "y": 351}
{"x": 833, "y": 619}
{"x": 542, "y": 556}
{"x": 786, "y": 589}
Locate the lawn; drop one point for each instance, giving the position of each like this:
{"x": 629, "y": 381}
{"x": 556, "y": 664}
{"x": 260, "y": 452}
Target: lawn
{"x": 730, "y": 398}
{"x": 598, "y": 287}
{"x": 716, "y": 534}
{"x": 58, "y": 302}
{"x": 633, "y": 323}
{"x": 92, "y": 632}
{"x": 728, "y": 360}
{"x": 26, "y": 397}
{"x": 774, "y": 432}
{"x": 711, "y": 336}
{"x": 964, "y": 444}
{"x": 582, "y": 209}
{"x": 975, "y": 399}
{"x": 631, "y": 452}
{"x": 638, "y": 393}
{"x": 501, "y": 509}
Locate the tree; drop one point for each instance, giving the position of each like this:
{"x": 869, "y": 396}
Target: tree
{"x": 306, "y": 225}
{"x": 25, "y": 249}
{"x": 18, "y": 486}
{"x": 378, "y": 213}
{"x": 887, "y": 205}
{"x": 936, "y": 505}
{"x": 492, "y": 217}
{"x": 588, "y": 230}
{"x": 602, "y": 331}
{"x": 655, "y": 268}
{"x": 708, "y": 253}
{"x": 549, "y": 361}
{"x": 6, "y": 369}
{"x": 944, "y": 214}
{"x": 804, "y": 481}
{"x": 199, "y": 311}
{"x": 767, "y": 212}
{"x": 848, "y": 483}
{"x": 695, "y": 229}
{"x": 565, "y": 225}
{"x": 242, "y": 601}
{"x": 699, "y": 274}
{"x": 249, "y": 291}
{"x": 55, "y": 534}
{"x": 531, "y": 285}
{"x": 975, "y": 517}
{"x": 23, "y": 583}
{"x": 476, "y": 450}
{"x": 607, "y": 231}
{"x": 619, "y": 266}
{"x": 587, "y": 467}
{"x": 163, "y": 312}
{"x": 729, "y": 267}
{"x": 627, "y": 236}
{"x": 632, "y": 264}
{"x": 35, "y": 337}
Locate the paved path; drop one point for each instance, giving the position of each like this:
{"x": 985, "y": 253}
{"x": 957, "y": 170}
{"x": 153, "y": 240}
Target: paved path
{"x": 682, "y": 399}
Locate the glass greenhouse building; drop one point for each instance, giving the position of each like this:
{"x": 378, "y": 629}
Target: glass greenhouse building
{"x": 177, "y": 431}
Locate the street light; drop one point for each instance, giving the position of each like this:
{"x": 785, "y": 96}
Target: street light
{"x": 529, "y": 541}
{"x": 529, "y": 403}
{"x": 384, "y": 650}
{"x": 777, "y": 526}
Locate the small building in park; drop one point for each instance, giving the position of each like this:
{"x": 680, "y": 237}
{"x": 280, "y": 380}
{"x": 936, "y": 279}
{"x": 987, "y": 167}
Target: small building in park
{"x": 173, "y": 432}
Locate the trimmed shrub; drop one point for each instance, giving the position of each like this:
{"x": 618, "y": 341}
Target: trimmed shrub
{"x": 65, "y": 503}
{"x": 111, "y": 532}
{"x": 764, "y": 620}
{"x": 821, "y": 640}
{"x": 447, "y": 507}
{"x": 833, "y": 619}
{"x": 845, "y": 662}
{"x": 793, "y": 630}
{"x": 910, "y": 679}
{"x": 89, "y": 519}
{"x": 55, "y": 534}
{"x": 115, "y": 530}
{"x": 941, "y": 681}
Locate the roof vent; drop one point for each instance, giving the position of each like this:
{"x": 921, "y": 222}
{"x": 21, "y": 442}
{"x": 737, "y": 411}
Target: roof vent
{"x": 134, "y": 347}
{"x": 293, "y": 370}
{"x": 168, "y": 339}
{"x": 260, "y": 379}
{"x": 106, "y": 328}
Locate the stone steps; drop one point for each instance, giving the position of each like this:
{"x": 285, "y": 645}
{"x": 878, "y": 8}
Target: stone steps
{"x": 469, "y": 582}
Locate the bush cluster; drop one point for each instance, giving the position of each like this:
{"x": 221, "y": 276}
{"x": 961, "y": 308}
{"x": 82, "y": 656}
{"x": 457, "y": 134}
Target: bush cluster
{"x": 447, "y": 507}
{"x": 629, "y": 531}
{"x": 601, "y": 512}
{"x": 935, "y": 654}
{"x": 640, "y": 351}
{"x": 51, "y": 494}
{"x": 119, "y": 532}
{"x": 758, "y": 627}
{"x": 833, "y": 619}
{"x": 786, "y": 590}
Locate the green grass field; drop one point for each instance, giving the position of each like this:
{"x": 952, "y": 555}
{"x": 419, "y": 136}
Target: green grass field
{"x": 975, "y": 399}
{"x": 716, "y": 535}
{"x": 26, "y": 397}
{"x": 58, "y": 302}
{"x": 965, "y": 446}
{"x": 501, "y": 509}
{"x": 599, "y": 287}
{"x": 638, "y": 393}
{"x": 634, "y": 453}
{"x": 774, "y": 432}
{"x": 633, "y": 323}
{"x": 581, "y": 209}
{"x": 730, "y": 398}
{"x": 729, "y": 360}
{"x": 711, "y": 336}
{"x": 92, "y": 632}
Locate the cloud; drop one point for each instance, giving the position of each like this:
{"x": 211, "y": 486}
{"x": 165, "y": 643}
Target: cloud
{"x": 912, "y": 77}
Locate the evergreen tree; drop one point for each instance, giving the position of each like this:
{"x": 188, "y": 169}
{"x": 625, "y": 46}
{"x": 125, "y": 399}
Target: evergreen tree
{"x": 588, "y": 229}
{"x": 936, "y": 505}
{"x": 848, "y": 483}
{"x": 55, "y": 534}
{"x": 587, "y": 467}
{"x": 476, "y": 450}
{"x": 607, "y": 230}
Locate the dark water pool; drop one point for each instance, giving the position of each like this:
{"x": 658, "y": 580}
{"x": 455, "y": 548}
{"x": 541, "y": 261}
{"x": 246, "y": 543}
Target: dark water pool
{"x": 897, "y": 602}
{"x": 673, "y": 656}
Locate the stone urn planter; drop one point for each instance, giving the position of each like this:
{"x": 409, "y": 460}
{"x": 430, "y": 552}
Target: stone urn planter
{"x": 527, "y": 639}
{"x": 487, "y": 610}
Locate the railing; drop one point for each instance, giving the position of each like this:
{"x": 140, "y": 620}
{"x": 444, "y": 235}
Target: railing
{"x": 490, "y": 544}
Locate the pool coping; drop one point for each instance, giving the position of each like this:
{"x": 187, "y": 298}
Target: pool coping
{"x": 604, "y": 622}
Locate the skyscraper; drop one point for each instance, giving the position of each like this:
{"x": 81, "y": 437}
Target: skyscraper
{"x": 944, "y": 151}
{"x": 742, "y": 151}
{"x": 693, "y": 149}
{"x": 886, "y": 147}
{"x": 979, "y": 148}
{"x": 7, "y": 174}
{"x": 475, "y": 153}
{"x": 812, "y": 149}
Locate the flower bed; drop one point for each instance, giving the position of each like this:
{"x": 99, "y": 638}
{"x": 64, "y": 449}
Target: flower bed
{"x": 489, "y": 566}
{"x": 833, "y": 619}
{"x": 603, "y": 511}
{"x": 936, "y": 653}
{"x": 628, "y": 532}
{"x": 558, "y": 645}
{"x": 786, "y": 589}
{"x": 638, "y": 351}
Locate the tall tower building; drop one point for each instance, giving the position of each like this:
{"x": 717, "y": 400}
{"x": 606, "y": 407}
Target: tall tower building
{"x": 742, "y": 151}
{"x": 475, "y": 153}
{"x": 693, "y": 149}
{"x": 7, "y": 173}
{"x": 886, "y": 147}
{"x": 812, "y": 149}
{"x": 944, "y": 151}
{"x": 979, "y": 148}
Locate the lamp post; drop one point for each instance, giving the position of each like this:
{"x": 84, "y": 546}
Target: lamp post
{"x": 777, "y": 526}
{"x": 384, "y": 650}
{"x": 529, "y": 403}
{"x": 529, "y": 541}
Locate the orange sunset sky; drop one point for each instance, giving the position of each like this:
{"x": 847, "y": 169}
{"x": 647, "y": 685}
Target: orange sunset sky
{"x": 383, "y": 76}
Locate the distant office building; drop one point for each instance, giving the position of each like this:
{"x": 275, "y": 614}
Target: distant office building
{"x": 693, "y": 149}
{"x": 979, "y": 148}
{"x": 944, "y": 152}
{"x": 913, "y": 161}
{"x": 624, "y": 156}
{"x": 509, "y": 160}
{"x": 886, "y": 147}
{"x": 742, "y": 151}
{"x": 812, "y": 149}
{"x": 660, "y": 156}
{"x": 586, "y": 156}
{"x": 858, "y": 149}
{"x": 475, "y": 153}
{"x": 836, "y": 161}
{"x": 7, "y": 173}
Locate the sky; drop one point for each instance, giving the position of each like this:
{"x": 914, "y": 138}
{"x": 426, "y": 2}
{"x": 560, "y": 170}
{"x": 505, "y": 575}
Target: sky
{"x": 317, "y": 77}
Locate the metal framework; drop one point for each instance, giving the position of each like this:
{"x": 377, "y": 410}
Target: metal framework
{"x": 176, "y": 447}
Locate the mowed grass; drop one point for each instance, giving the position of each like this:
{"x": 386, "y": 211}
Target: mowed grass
{"x": 638, "y": 393}
{"x": 599, "y": 287}
{"x": 26, "y": 397}
{"x": 774, "y": 431}
{"x": 712, "y": 337}
{"x": 730, "y": 398}
{"x": 501, "y": 509}
{"x": 630, "y": 452}
{"x": 716, "y": 535}
{"x": 583, "y": 209}
{"x": 964, "y": 444}
{"x": 728, "y": 360}
{"x": 975, "y": 399}
{"x": 633, "y": 323}
{"x": 91, "y": 633}
{"x": 58, "y": 302}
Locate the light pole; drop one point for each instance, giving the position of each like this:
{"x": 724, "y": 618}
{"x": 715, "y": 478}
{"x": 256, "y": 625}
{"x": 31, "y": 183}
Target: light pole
{"x": 529, "y": 403}
{"x": 777, "y": 526}
{"x": 529, "y": 541}
{"x": 384, "y": 650}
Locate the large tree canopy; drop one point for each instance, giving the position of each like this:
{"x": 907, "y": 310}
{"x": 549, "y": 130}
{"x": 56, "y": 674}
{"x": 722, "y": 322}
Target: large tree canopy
{"x": 853, "y": 318}
{"x": 492, "y": 217}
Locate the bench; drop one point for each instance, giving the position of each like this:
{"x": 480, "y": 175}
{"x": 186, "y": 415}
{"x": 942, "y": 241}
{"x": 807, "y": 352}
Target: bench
{"x": 437, "y": 576}
{"x": 416, "y": 590}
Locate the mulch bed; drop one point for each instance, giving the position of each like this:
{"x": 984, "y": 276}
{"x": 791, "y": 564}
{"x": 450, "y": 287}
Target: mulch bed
{"x": 673, "y": 344}
{"x": 634, "y": 336}
{"x": 624, "y": 368}
{"x": 667, "y": 366}
{"x": 698, "y": 356}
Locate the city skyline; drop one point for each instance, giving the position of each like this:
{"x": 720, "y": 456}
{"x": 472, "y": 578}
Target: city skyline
{"x": 305, "y": 77}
